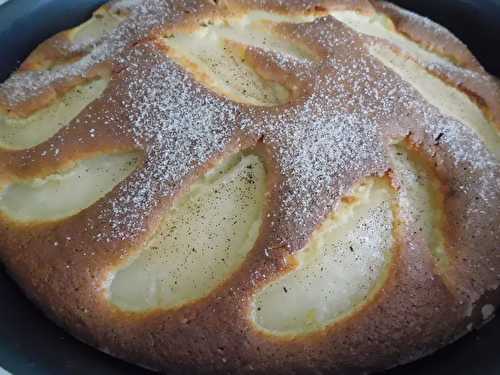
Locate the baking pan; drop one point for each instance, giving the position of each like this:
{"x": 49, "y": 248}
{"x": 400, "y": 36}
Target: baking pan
{"x": 30, "y": 344}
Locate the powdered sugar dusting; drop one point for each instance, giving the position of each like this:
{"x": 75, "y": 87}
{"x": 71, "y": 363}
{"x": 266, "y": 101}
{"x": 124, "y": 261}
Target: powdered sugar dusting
{"x": 336, "y": 131}
{"x": 179, "y": 125}
{"x": 144, "y": 16}
{"x": 323, "y": 143}
{"x": 333, "y": 136}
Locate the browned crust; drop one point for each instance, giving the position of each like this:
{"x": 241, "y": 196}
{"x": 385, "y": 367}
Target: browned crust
{"x": 413, "y": 314}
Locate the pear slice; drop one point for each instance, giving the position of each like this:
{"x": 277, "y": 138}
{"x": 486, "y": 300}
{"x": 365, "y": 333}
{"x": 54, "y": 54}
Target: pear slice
{"x": 102, "y": 23}
{"x": 67, "y": 192}
{"x": 22, "y": 133}
{"x": 215, "y": 54}
{"x": 341, "y": 267}
{"x": 449, "y": 100}
{"x": 381, "y": 26}
{"x": 201, "y": 241}
{"x": 421, "y": 200}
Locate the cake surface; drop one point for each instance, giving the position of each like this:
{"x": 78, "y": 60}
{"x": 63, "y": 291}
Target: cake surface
{"x": 254, "y": 186}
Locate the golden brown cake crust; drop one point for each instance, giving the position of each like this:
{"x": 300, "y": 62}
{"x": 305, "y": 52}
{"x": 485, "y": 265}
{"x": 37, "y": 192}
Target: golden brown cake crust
{"x": 63, "y": 265}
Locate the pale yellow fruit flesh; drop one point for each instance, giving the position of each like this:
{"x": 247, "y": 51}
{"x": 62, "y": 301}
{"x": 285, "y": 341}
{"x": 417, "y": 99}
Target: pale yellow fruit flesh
{"x": 22, "y": 133}
{"x": 420, "y": 200}
{"x": 213, "y": 52}
{"x": 100, "y": 24}
{"x": 449, "y": 100}
{"x": 201, "y": 241}
{"x": 68, "y": 192}
{"x": 338, "y": 270}
{"x": 382, "y": 27}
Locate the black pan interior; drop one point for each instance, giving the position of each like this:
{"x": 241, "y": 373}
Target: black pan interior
{"x": 32, "y": 345}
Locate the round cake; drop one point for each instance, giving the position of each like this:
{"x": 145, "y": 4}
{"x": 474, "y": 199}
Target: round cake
{"x": 254, "y": 186}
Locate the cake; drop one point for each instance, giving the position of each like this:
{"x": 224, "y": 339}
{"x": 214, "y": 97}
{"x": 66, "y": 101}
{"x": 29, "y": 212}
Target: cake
{"x": 254, "y": 186}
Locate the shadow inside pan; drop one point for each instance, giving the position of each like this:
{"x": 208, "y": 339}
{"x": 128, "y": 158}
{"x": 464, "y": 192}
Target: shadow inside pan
{"x": 32, "y": 345}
